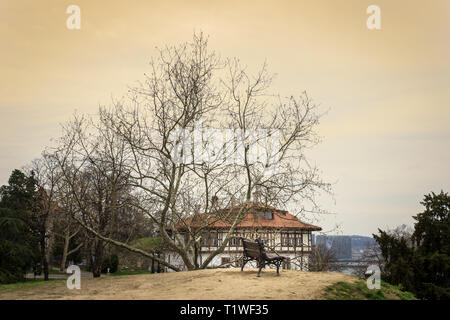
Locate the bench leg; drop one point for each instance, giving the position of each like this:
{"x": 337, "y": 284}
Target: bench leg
{"x": 244, "y": 262}
{"x": 261, "y": 265}
{"x": 259, "y": 271}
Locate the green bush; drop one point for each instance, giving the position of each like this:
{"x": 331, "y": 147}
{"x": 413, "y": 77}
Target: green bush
{"x": 111, "y": 262}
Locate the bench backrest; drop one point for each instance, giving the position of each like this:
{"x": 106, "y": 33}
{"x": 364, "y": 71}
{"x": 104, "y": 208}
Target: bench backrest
{"x": 253, "y": 249}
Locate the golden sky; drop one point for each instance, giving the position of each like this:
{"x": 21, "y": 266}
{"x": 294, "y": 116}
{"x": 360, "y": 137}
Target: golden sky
{"x": 386, "y": 135}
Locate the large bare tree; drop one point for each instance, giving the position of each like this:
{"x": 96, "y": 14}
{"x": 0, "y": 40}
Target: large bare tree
{"x": 198, "y": 136}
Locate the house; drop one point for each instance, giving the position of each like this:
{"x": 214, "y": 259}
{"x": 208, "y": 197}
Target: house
{"x": 279, "y": 230}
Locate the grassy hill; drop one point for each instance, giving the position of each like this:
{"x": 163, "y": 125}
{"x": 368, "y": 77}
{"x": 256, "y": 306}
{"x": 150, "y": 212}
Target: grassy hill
{"x": 359, "y": 291}
{"x": 211, "y": 284}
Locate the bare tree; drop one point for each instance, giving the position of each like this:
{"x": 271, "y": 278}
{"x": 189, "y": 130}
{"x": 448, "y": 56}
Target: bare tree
{"x": 182, "y": 145}
{"x": 322, "y": 258}
{"x": 371, "y": 255}
{"x": 65, "y": 226}
{"x": 93, "y": 164}
{"x": 47, "y": 176}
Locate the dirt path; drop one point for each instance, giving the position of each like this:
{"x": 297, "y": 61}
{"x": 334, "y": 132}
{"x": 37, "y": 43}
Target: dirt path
{"x": 203, "y": 284}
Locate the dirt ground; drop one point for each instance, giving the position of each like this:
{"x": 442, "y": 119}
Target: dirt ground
{"x": 209, "y": 284}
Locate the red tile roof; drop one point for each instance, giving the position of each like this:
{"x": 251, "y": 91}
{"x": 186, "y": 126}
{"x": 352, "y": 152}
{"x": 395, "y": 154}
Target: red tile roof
{"x": 281, "y": 219}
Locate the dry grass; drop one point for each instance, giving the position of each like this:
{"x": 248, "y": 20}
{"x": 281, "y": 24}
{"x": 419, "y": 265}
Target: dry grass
{"x": 209, "y": 284}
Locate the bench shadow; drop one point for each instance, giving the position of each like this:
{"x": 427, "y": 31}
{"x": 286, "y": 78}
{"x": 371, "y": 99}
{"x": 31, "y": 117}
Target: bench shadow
{"x": 252, "y": 272}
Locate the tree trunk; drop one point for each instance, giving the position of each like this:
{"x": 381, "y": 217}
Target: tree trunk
{"x": 98, "y": 256}
{"x": 196, "y": 255}
{"x": 123, "y": 245}
{"x": 44, "y": 258}
{"x": 65, "y": 250}
{"x": 159, "y": 267}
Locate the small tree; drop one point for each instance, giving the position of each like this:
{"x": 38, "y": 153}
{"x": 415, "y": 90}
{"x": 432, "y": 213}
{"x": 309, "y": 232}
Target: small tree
{"x": 322, "y": 258}
{"x": 110, "y": 263}
{"x": 371, "y": 256}
{"x": 398, "y": 256}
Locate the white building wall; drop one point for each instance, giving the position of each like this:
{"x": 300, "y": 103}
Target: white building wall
{"x": 297, "y": 260}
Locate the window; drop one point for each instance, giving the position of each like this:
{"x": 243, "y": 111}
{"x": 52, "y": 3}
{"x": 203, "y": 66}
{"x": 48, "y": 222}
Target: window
{"x": 285, "y": 239}
{"x": 291, "y": 239}
{"x": 272, "y": 239}
{"x": 214, "y": 239}
{"x": 288, "y": 239}
{"x": 205, "y": 239}
{"x": 299, "y": 239}
{"x": 219, "y": 238}
{"x": 210, "y": 239}
{"x": 235, "y": 241}
{"x": 266, "y": 215}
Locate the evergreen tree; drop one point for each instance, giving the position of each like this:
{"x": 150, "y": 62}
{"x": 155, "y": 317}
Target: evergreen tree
{"x": 17, "y": 252}
{"x": 19, "y": 193}
{"x": 18, "y": 245}
{"x": 432, "y": 241}
{"x": 398, "y": 259}
{"x": 421, "y": 263}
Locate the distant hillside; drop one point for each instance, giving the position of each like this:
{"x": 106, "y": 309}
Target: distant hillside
{"x": 344, "y": 246}
{"x": 361, "y": 242}
{"x": 357, "y": 241}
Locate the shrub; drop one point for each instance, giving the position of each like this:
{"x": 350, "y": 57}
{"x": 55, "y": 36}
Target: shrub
{"x": 111, "y": 262}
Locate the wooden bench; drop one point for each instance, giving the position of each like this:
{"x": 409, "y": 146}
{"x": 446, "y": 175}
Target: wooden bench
{"x": 254, "y": 250}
